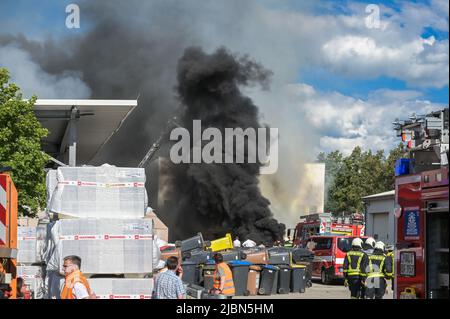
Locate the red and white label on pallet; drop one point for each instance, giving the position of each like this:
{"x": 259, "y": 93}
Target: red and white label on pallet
{"x": 26, "y": 238}
{"x": 30, "y": 276}
{"x": 105, "y": 185}
{"x": 3, "y": 203}
{"x": 124, "y": 297}
{"x": 106, "y": 237}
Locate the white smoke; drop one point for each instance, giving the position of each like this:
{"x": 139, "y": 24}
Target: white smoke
{"x": 32, "y": 80}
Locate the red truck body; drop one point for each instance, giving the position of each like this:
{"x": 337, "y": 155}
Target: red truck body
{"x": 422, "y": 215}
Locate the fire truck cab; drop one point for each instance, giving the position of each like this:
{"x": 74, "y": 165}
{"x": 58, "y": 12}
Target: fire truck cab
{"x": 422, "y": 212}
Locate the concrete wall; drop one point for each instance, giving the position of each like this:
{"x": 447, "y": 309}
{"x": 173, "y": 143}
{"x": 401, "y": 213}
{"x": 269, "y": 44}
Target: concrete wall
{"x": 381, "y": 206}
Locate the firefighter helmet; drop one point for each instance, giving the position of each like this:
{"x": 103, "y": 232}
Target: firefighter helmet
{"x": 370, "y": 242}
{"x": 357, "y": 242}
{"x": 379, "y": 245}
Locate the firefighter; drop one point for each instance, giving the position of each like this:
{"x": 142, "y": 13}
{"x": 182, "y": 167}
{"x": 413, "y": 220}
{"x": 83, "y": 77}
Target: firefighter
{"x": 355, "y": 265}
{"x": 369, "y": 246}
{"x": 379, "y": 269}
{"x": 390, "y": 254}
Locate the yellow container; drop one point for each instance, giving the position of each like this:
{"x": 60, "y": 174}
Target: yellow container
{"x": 408, "y": 293}
{"x": 222, "y": 243}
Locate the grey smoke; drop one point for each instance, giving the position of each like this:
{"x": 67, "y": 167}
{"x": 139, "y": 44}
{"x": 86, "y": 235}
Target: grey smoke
{"x": 132, "y": 49}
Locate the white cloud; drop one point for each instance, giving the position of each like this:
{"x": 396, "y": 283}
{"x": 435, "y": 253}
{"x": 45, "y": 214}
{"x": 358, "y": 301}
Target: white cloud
{"x": 344, "y": 122}
{"x": 32, "y": 80}
{"x": 422, "y": 62}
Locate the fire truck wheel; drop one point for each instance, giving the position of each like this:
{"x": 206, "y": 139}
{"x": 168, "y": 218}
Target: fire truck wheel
{"x": 325, "y": 277}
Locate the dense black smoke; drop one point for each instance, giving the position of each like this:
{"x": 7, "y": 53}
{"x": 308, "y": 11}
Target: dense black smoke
{"x": 222, "y": 197}
{"x": 132, "y": 49}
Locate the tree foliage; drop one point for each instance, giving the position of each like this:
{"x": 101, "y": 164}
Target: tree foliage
{"x": 349, "y": 178}
{"x": 20, "y": 145}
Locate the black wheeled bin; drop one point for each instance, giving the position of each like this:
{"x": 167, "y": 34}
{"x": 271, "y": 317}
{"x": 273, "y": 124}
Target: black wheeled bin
{"x": 284, "y": 279}
{"x": 233, "y": 255}
{"x": 298, "y": 278}
{"x": 268, "y": 276}
{"x": 208, "y": 275}
{"x": 199, "y": 256}
{"x": 240, "y": 276}
{"x": 194, "y": 291}
{"x": 279, "y": 256}
{"x": 275, "y": 282}
{"x": 192, "y": 243}
{"x": 191, "y": 272}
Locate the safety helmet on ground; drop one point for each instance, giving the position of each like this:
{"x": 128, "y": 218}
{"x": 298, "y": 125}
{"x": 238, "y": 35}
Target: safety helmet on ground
{"x": 379, "y": 245}
{"x": 370, "y": 241}
{"x": 357, "y": 242}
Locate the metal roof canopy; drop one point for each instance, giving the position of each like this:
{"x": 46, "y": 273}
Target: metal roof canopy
{"x": 78, "y": 129}
{"x": 381, "y": 195}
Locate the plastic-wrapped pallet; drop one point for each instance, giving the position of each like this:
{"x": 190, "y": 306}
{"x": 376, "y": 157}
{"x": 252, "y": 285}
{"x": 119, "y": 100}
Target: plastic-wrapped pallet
{"x": 99, "y": 192}
{"x": 41, "y": 242}
{"x": 51, "y": 181}
{"x": 33, "y": 276}
{"x": 122, "y": 288}
{"x": 105, "y": 246}
{"x": 31, "y": 244}
{"x": 26, "y": 245}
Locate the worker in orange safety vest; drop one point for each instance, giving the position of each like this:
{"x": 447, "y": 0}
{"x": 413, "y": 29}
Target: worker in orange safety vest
{"x": 76, "y": 285}
{"x": 223, "y": 278}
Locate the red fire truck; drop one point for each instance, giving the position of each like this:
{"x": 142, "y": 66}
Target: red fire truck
{"x": 422, "y": 212}
{"x": 330, "y": 239}
{"x": 325, "y": 224}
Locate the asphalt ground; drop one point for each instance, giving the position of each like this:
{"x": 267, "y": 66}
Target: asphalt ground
{"x": 336, "y": 290}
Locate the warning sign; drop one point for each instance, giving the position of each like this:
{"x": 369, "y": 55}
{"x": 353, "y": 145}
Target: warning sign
{"x": 412, "y": 225}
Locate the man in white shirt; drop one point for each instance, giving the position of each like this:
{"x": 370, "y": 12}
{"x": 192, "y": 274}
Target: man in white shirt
{"x": 237, "y": 242}
{"x": 76, "y": 285}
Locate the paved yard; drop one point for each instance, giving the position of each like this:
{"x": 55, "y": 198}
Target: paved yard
{"x": 317, "y": 291}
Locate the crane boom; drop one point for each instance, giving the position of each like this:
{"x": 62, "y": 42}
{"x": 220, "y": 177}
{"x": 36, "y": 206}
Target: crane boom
{"x": 157, "y": 145}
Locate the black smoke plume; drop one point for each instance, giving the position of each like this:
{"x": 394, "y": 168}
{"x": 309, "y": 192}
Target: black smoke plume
{"x": 222, "y": 197}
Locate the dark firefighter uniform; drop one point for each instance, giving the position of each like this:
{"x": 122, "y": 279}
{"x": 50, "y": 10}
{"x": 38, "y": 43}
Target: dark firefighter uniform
{"x": 379, "y": 269}
{"x": 390, "y": 255}
{"x": 355, "y": 265}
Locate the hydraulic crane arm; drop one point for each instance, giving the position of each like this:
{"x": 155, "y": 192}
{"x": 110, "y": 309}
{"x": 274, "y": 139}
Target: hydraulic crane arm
{"x": 157, "y": 145}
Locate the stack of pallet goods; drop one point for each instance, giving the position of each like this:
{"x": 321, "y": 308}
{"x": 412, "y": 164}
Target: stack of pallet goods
{"x": 30, "y": 264}
{"x": 98, "y": 215}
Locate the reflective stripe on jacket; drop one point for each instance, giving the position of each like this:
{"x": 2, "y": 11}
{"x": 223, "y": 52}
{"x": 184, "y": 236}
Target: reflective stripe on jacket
{"x": 354, "y": 263}
{"x": 228, "y": 288}
{"x": 71, "y": 280}
{"x": 376, "y": 266}
{"x": 390, "y": 272}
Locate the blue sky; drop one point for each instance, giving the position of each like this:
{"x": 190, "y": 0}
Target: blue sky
{"x": 45, "y": 18}
{"x": 331, "y": 62}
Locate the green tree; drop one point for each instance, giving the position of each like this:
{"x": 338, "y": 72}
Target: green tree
{"x": 360, "y": 174}
{"x": 20, "y": 145}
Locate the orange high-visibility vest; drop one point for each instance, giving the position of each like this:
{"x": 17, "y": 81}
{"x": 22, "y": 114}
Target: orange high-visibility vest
{"x": 71, "y": 280}
{"x": 228, "y": 288}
